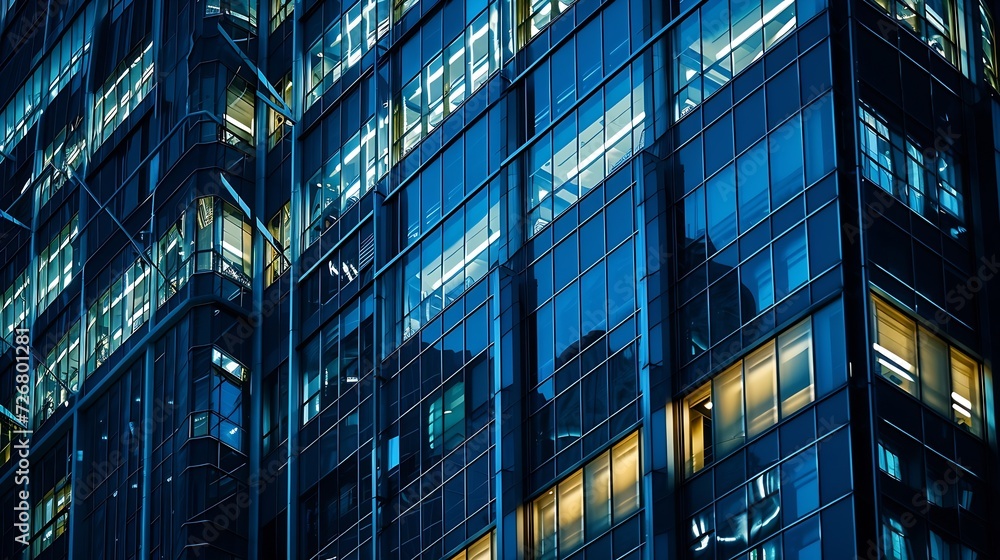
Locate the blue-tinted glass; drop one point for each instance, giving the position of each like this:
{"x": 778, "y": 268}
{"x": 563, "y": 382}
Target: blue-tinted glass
{"x": 839, "y": 520}
{"x": 430, "y": 193}
{"x": 476, "y": 154}
{"x": 591, "y": 241}
{"x": 454, "y": 189}
{"x": 757, "y": 293}
{"x": 802, "y": 541}
{"x": 565, "y": 262}
{"x": 752, "y": 187}
{"x": 762, "y": 453}
{"x": 593, "y": 315}
{"x": 619, "y": 219}
{"x": 563, "y": 79}
{"x": 835, "y": 464}
{"x": 719, "y": 144}
{"x": 824, "y": 239}
{"x": 567, "y": 323}
{"x": 541, "y": 277}
{"x": 820, "y": 139}
{"x": 588, "y": 46}
{"x": 791, "y": 262}
{"x": 409, "y": 212}
{"x": 785, "y": 146}
{"x": 731, "y": 534}
{"x": 621, "y": 284}
{"x": 829, "y": 346}
{"x": 799, "y": 485}
{"x": 724, "y": 306}
{"x": 616, "y": 24}
{"x": 537, "y": 85}
{"x": 782, "y": 96}
{"x": 702, "y": 536}
{"x": 750, "y": 120}
{"x": 720, "y": 197}
{"x": 815, "y": 72}
{"x": 693, "y": 327}
{"x": 688, "y": 166}
{"x": 693, "y": 219}
{"x": 543, "y": 337}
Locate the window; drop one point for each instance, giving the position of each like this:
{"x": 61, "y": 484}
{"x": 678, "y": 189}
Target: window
{"x": 56, "y": 265}
{"x": 122, "y": 92}
{"x": 888, "y": 462}
{"x": 277, "y": 126}
{"x": 341, "y": 47}
{"x": 536, "y": 14}
{"x": 482, "y": 549}
{"x": 895, "y": 544}
{"x": 218, "y": 401}
{"x": 925, "y": 366}
{"x": 587, "y": 502}
{"x": 988, "y": 31}
{"x": 934, "y": 21}
{"x": 278, "y": 259}
{"x": 722, "y": 39}
{"x": 51, "y": 516}
{"x": 243, "y": 12}
{"x": 564, "y": 164}
{"x": 64, "y": 154}
{"x": 58, "y": 376}
{"x": 340, "y": 183}
{"x": 924, "y": 180}
{"x": 15, "y": 305}
{"x": 173, "y": 260}
{"x": 239, "y": 116}
{"x": 446, "y": 81}
{"x": 746, "y": 399}
{"x": 280, "y": 10}
{"x": 117, "y": 313}
{"x": 222, "y": 240}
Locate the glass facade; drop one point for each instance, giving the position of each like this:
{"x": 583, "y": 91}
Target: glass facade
{"x": 499, "y": 279}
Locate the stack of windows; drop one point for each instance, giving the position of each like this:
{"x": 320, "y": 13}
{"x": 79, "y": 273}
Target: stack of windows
{"x": 582, "y": 508}
{"x": 56, "y": 265}
{"x": 340, "y": 48}
{"x": 122, "y": 92}
{"x": 15, "y": 307}
{"x": 58, "y": 376}
{"x": 925, "y": 366}
{"x": 934, "y": 21}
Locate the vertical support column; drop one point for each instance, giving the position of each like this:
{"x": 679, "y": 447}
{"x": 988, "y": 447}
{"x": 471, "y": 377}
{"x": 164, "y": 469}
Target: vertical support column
{"x": 507, "y": 468}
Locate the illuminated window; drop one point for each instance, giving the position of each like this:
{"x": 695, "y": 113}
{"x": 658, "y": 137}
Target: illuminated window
{"x": 243, "y": 12}
{"x": 51, "y": 516}
{"x": 898, "y": 165}
{"x": 447, "y": 81}
{"x": 14, "y": 308}
{"x": 934, "y": 21}
{"x": 239, "y": 117}
{"x": 723, "y": 38}
{"x": 280, "y": 10}
{"x": 277, "y": 126}
{"x": 536, "y": 14}
{"x": 888, "y": 462}
{"x": 895, "y": 544}
{"x": 341, "y": 47}
{"x": 218, "y": 401}
{"x": 772, "y": 382}
{"x": 988, "y": 31}
{"x": 122, "y": 92}
{"x": 59, "y": 376}
{"x": 117, "y": 313}
{"x": 277, "y": 259}
{"x": 56, "y": 265}
{"x": 588, "y": 502}
{"x": 482, "y": 549}
{"x": 222, "y": 240}
{"x": 927, "y": 367}
{"x": 173, "y": 259}
{"x": 61, "y": 158}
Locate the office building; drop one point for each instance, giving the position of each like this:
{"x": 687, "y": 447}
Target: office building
{"x": 518, "y": 280}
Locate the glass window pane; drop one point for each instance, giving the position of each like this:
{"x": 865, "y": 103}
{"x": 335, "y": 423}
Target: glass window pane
{"x": 795, "y": 367}
{"x": 800, "y": 488}
{"x": 830, "y": 347}
{"x": 544, "y": 518}
{"x": 802, "y": 541}
{"x": 720, "y": 195}
{"x": 792, "y": 268}
{"x": 935, "y": 388}
{"x": 764, "y": 509}
{"x": 698, "y": 409}
{"x": 761, "y": 390}
{"x": 728, "y": 390}
{"x": 819, "y": 139}
{"x": 571, "y": 513}
{"x": 758, "y": 292}
{"x": 785, "y": 146}
{"x": 751, "y": 172}
{"x": 896, "y": 349}
{"x": 965, "y": 396}
{"x": 625, "y": 476}
{"x": 597, "y": 475}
